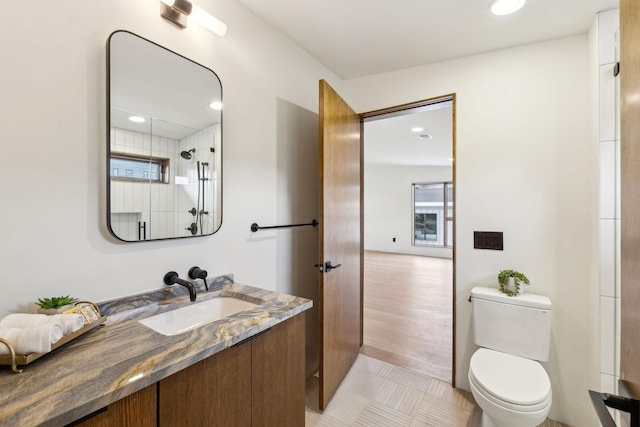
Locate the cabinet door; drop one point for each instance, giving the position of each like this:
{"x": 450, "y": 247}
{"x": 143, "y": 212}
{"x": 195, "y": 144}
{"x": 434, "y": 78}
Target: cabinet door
{"x": 135, "y": 410}
{"x": 213, "y": 392}
{"x": 277, "y": 369}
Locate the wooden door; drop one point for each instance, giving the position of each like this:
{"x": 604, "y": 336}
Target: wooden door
{"x": 630, "y": 191}
{"x": 339, "y": 298}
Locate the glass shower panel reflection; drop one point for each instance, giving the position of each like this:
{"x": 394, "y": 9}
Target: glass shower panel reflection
{"x": 185, "y": 205}
{"x": 129, "y": 173}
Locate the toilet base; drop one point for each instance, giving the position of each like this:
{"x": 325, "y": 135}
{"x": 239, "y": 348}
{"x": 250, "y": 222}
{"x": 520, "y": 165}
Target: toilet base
{"x": 486, "y": 421}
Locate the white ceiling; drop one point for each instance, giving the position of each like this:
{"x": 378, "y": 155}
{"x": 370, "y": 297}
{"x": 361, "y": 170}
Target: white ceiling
{"x": 356, "y": 38}
{"x": 390, "y": 141}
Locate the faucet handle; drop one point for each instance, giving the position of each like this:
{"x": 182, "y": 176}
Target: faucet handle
{"x": 198, "y": 273}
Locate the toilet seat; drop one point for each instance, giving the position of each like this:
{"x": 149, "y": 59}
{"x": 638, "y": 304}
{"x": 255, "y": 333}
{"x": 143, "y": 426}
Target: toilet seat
{"x": 509, "y": 381}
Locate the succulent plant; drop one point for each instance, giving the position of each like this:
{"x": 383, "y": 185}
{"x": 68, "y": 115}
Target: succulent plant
{"x": 56, "y": 302}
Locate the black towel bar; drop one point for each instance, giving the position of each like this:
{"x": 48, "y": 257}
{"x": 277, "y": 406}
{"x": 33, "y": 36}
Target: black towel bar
{"x": 627, "y": 405}
{"x": 255, "y": 227}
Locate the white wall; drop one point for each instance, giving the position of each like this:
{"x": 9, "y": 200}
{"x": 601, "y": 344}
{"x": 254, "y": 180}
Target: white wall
{"x": 387, "y": 207}
{"x": 53, "y": 174}
{"x": 526, "y": 165}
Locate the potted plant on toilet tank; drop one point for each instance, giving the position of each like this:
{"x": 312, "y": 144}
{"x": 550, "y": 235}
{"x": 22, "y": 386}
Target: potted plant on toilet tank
{"x": 512, "y": 282}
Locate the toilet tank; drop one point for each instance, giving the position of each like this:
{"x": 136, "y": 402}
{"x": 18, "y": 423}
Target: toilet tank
{"x": 519, "y": 325}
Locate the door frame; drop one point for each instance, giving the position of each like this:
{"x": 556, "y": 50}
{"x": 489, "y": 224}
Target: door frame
{"x": 630, "y": 176}
{"x": 400, "y": 109}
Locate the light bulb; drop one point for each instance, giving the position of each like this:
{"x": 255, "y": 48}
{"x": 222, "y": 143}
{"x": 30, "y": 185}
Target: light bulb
{"x": 505, "y": 7}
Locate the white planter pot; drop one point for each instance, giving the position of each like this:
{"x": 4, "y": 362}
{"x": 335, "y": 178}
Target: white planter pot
{"x": 511, "y": 285}
{"x": 55, "y": 310}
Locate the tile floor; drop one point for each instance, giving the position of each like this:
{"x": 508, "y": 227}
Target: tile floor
{"x": 379, "y": 394}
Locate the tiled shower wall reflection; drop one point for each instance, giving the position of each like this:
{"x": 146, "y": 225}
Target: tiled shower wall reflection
{"x": 609, "y": 200}
{"x": 203, "y": 141}
{"x": 164, "y": 207}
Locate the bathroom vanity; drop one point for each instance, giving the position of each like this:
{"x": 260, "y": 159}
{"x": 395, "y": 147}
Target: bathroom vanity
{"x": 246, "y": 369}
{"x": 257, "y": 382}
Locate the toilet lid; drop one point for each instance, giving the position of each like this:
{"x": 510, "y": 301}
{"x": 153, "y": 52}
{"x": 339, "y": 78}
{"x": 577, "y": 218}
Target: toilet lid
{"x": 510, "y": 378}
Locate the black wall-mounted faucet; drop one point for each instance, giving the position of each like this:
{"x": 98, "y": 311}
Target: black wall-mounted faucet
{"x": 171, "y": 278}
{"x": 198, "y": 273}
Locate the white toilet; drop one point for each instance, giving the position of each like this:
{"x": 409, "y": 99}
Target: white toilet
{"x": 506, "y": 380}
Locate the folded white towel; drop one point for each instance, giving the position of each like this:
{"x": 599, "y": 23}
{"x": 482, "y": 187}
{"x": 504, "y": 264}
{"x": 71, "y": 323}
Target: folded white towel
{"x": 23, "y": 320}
{"x": 36, "y": 339}
{"x": 68, "y": 322}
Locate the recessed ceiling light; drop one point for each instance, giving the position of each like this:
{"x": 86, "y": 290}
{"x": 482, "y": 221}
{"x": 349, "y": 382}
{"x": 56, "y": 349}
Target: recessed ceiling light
{"x": 416, "y": 129}
{"x": 137, "y": 119}
{"x": 505, "y": 7}
{"x": 216, "y": 105}
{"x": 425, "y": 136}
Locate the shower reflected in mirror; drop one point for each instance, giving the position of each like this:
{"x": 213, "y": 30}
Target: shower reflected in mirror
{"x": 187, "y": 154}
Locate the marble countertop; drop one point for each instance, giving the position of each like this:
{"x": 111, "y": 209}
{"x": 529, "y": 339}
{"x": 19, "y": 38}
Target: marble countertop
{"x": 124, "y": 356}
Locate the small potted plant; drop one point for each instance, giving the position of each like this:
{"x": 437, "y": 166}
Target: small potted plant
{"x": 512, "y": 282}
{"x": 55, "y": 305}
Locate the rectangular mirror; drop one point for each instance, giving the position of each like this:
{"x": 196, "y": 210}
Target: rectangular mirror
{"x": 164, "y": 154}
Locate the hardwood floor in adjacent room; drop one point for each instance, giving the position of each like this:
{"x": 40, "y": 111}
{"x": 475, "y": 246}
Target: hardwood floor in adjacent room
{"x": 408, "y": 318}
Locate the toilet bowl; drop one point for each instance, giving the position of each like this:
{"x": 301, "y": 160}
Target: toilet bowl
{"x": 512, "y": 391}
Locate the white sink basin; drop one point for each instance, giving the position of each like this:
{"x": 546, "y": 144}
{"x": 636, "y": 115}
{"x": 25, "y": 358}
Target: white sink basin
{"x": 184, "y": 319}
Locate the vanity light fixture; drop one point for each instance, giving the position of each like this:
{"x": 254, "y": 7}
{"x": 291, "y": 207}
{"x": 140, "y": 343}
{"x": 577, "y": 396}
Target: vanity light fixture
{"x": 209, "y": 22}
{"x": 505, "y": 7}
{"x": 216, "y": 105}
{"x": 177, "y": 11}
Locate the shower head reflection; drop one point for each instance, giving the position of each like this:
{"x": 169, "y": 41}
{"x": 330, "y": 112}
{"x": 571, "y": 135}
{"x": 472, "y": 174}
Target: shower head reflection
{"x": 187, "y": 154}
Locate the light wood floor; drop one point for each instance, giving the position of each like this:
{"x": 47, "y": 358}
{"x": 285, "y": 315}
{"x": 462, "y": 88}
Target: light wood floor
{"x": 408, "y": 318}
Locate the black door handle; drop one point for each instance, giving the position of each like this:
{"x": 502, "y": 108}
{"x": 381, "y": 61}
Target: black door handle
{"x": 328, "y": 267}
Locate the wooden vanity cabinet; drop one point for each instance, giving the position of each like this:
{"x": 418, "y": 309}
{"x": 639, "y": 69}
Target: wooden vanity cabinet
{"x": 259, "y": 382}
{"x": 213, "y": 392}
{"x": 278, "y": 375}
{"x": 136, "y": 410}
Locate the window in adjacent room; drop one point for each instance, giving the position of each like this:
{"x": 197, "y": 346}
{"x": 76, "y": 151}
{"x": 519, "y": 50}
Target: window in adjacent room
{"x": 433, "y": 214}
